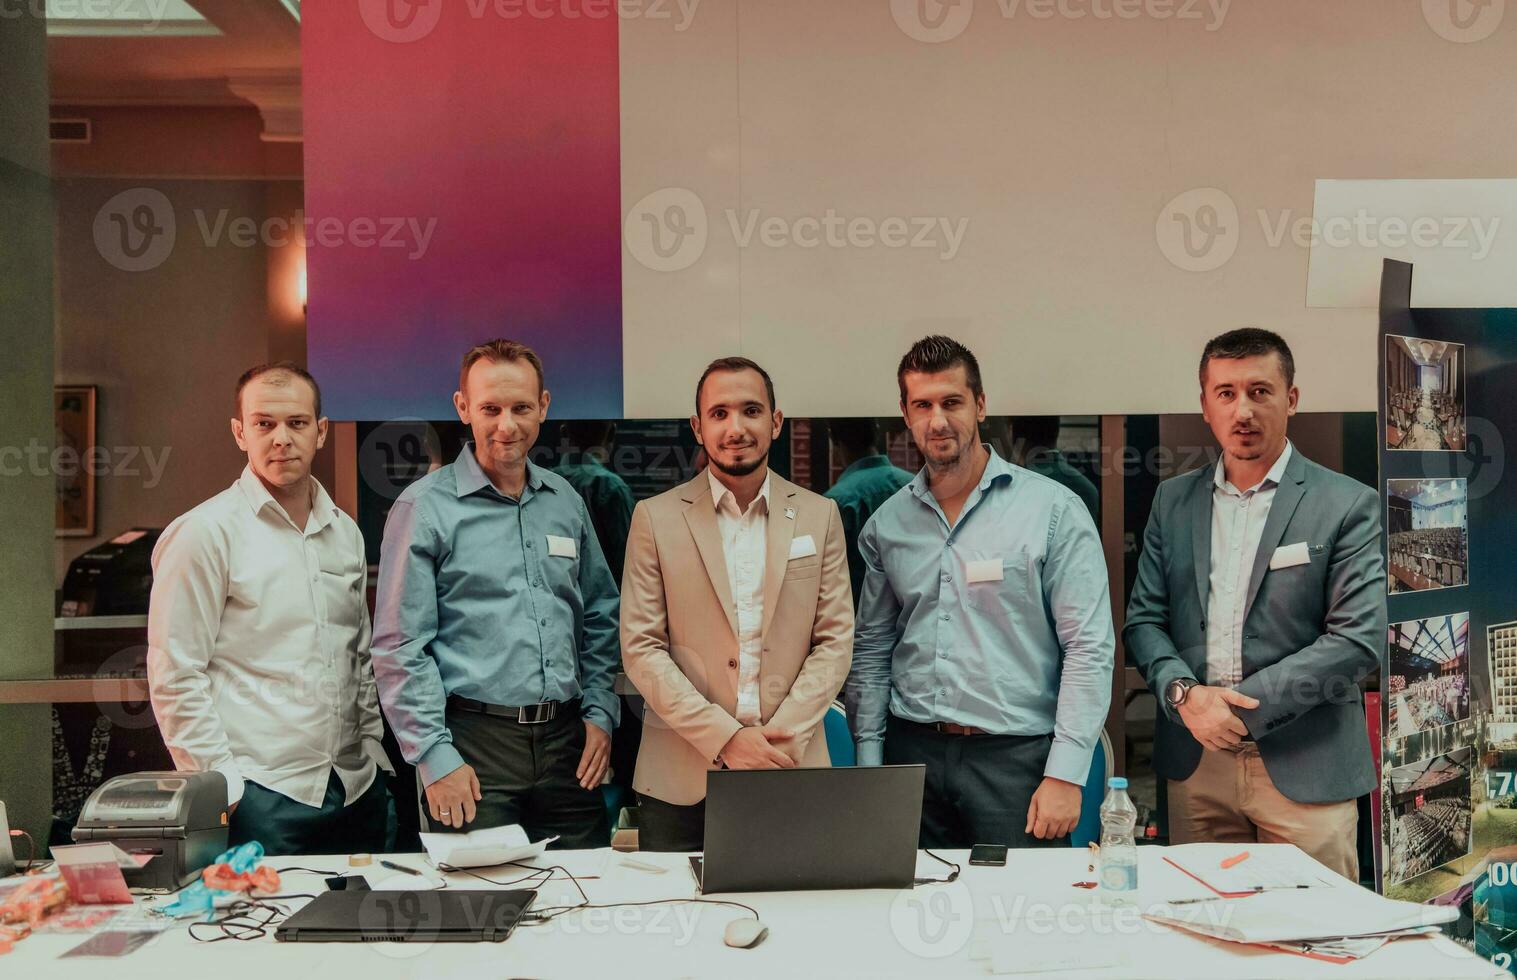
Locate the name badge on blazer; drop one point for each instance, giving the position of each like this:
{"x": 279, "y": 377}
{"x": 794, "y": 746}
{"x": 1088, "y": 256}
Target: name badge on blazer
{"x": 562, "y": 547}
{"x": 989, "y": 570}
{"x": 1289, "y": 555}
{"x": 802, "y": 547}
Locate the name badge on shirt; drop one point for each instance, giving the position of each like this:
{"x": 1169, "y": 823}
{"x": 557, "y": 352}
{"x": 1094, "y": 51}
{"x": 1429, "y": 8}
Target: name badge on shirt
{"x": 1288, "y": 555}
{"x": 562, "y": 547}
{"x": 802, "y": 547}
{"x": 989, "y": 570}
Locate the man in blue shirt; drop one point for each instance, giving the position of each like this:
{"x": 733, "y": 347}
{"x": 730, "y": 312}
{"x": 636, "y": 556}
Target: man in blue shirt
{"x": 984, "y": 626}
{"x": 867, "y": 481}
{"x": 495, "y": 637}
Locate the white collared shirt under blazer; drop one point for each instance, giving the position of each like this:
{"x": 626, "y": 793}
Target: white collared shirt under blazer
{"x": 743, "y": 542}
{"x": 258, "y": 645}
{"x": 681, "y": 631}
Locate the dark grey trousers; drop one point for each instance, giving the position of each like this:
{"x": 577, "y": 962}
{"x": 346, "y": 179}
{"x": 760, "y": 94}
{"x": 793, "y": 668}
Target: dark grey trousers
{"x": 669, "y": 826}
{"x": 526, "y": 776}
{"x": 284, "y": 826}
{"x": 978, "y": 786}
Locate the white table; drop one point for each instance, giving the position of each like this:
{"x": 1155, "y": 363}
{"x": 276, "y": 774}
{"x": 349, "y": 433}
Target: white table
{"x": 936, "y": 930}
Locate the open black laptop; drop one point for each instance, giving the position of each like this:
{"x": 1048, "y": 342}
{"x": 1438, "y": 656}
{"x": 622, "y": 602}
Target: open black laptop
{"x": 407, "y": 917}
{"x": 801, "y": 829}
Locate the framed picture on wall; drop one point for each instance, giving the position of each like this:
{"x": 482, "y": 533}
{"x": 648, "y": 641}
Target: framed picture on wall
{"x": 74, "y": 424}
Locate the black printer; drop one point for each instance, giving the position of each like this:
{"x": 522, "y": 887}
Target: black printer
{"x": 179, "y": 818}
{"x": 112, "y": 579}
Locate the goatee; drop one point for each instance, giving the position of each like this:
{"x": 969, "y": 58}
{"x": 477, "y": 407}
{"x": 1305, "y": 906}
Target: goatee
{"x": 742, "y": 469}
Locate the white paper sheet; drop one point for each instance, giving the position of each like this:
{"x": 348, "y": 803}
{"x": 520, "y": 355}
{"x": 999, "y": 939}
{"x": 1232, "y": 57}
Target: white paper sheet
{"x": 483, "y": 848}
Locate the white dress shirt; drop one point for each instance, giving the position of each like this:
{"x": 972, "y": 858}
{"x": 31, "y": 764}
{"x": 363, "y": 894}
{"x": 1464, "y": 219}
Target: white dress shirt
{"x": 258, "y": 645}
{"x": 1237, "y": 524}
{"x": 744, "y": 540}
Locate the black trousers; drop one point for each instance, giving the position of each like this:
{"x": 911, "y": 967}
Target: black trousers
{"x": 669, "y": 826}
{"x": 285, "y": 826}
{"x": 527, "y": 776}
{"x": 978, "y": 786}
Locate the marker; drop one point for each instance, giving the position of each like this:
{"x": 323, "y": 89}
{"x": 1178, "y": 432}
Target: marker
{"x": 400, "y": 867}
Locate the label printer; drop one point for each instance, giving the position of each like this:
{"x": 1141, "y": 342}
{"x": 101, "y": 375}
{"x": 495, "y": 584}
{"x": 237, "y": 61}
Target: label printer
{"x": 179, "y": 819}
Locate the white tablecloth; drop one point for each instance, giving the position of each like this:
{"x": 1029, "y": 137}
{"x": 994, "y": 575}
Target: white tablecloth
{"x": 1027, "y": 914}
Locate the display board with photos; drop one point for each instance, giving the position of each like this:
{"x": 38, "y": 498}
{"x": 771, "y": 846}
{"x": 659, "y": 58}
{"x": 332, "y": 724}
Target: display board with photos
{"x": 1449, "y": 681}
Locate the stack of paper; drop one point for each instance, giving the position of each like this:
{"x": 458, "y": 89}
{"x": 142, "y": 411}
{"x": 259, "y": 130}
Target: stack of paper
{"x": 483, "y": 848}
{"x": 1234, "y": 870}
{"x": 1331, "y": 923}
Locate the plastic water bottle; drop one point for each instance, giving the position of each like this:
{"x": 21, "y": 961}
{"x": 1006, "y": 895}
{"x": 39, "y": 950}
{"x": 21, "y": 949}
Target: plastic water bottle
{"x": 1118, "y": 866}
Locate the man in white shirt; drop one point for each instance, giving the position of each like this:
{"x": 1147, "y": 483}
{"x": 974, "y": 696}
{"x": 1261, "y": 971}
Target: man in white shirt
{"x": 258, "y": 639}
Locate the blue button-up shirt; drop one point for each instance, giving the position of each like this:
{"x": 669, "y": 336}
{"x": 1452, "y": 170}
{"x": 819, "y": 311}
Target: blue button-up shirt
{"x": 1026, "y": 648}
{"x": 477, "y": 599}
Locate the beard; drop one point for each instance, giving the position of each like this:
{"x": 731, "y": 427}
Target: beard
{"x": 740, "y": 469}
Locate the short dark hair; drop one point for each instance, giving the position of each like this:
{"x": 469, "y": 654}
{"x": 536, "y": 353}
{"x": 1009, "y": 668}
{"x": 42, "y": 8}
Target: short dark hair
{"x": 277, "y": 373}
{"x": 1249, "y": 342}
{"x": 588, "y": 433}
{"x": 938, "y": 353}
{"x": 858, "y": 437}
{"x": 733, "y": 364}
{"x": 499, "y": 350}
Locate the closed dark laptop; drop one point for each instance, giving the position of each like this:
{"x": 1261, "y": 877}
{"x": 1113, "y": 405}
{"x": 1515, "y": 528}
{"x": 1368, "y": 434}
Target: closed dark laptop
{"x": 407, "y": 917}
{"x": 801, "y": 829}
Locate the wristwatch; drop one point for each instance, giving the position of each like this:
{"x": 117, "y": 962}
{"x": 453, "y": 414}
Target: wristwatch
{"x": 1176, "y": 691}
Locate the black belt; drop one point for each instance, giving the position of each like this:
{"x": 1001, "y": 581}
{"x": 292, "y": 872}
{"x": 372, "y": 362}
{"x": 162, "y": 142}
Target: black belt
{"x": 527, "y": 714}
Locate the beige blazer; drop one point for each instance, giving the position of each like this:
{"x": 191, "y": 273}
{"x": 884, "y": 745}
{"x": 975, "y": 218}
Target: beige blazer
{"x": 679, "y": 632}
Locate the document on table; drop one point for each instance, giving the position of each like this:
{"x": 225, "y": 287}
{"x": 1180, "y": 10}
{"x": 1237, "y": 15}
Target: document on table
{"x": 483, "y": 848}
{"x": 1307, "y": 914}
{"x": 1267, "y": 867}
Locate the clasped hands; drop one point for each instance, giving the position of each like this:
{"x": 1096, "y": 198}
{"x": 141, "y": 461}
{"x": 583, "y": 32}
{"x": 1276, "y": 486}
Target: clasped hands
{"x": 1208, "y": 713}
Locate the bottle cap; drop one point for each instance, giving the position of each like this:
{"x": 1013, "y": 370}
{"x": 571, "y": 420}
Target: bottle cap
{"x": 1117, "y": 782}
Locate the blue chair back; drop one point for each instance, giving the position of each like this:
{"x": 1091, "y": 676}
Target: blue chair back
{"x": 839, "y": 739}
{"x": 1089, "y": 827}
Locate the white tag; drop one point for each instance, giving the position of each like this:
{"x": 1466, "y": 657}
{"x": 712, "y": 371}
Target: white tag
{"x": 989, "y": 570}
{"x": 562, "y": 547}
{"x": 802, "y": 547}
{"x": 1289, "y": 554}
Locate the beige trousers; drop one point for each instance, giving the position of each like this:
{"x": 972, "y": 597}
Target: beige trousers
{"x": 1231, "y": 798}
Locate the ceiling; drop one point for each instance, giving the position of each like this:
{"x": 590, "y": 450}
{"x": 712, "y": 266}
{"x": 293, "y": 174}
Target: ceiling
{"x": 179, "y": 52}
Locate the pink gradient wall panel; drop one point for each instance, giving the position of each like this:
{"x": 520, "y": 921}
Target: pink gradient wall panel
{"x": 462, "y": 183}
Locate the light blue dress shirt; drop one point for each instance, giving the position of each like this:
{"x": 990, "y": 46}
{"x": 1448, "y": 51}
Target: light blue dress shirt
{"x": 475, "y": 600}
{"x": 1027, "y": 653}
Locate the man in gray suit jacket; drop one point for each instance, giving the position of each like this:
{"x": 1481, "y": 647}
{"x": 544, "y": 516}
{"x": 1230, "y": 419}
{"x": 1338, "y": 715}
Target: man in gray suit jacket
{"x": 1259, "y": 606}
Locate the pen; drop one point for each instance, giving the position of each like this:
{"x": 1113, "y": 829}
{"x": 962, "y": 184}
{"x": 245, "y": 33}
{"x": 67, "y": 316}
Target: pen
{"x": 399, "y": 867}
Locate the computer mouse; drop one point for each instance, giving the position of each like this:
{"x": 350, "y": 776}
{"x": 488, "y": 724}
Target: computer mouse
{"x": 745, "y": 933}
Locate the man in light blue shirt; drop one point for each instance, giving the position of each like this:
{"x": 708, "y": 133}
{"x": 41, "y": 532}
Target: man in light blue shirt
{"x": 984, "y": 626}
{"x": 495, "y": 638}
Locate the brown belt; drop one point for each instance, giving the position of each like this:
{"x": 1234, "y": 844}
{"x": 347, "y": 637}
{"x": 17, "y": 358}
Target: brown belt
{"x": 951, "y": 728}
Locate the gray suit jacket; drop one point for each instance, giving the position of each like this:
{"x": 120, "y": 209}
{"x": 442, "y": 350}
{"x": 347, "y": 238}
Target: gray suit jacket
{"x": 1311, "y": 632}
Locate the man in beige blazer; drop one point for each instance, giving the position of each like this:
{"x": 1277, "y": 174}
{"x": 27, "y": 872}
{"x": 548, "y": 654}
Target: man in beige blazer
{"x": 737, "y": 614}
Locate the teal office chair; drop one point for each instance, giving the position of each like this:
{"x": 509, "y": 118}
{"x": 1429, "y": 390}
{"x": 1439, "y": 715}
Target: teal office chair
{"x": 839, "y": 739}
{"x": 1089, "y": 827}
